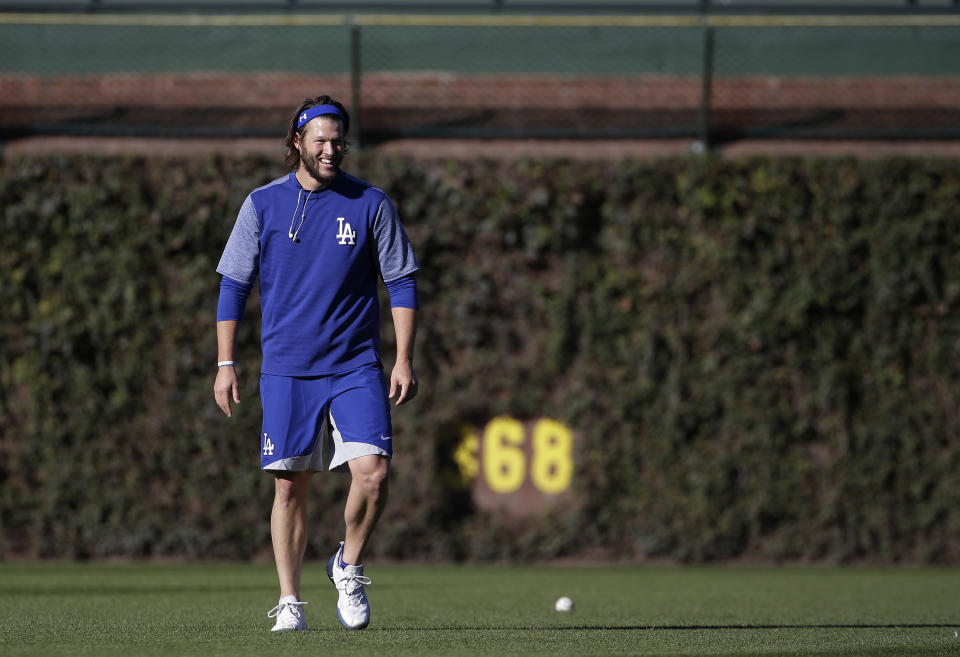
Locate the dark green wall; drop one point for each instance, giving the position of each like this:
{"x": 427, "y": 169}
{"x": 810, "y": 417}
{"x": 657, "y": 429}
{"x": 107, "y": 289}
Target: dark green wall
{"x": 759, "y": 358}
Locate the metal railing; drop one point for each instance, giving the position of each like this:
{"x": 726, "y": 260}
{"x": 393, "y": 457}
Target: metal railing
{"x": 767, "y": 7}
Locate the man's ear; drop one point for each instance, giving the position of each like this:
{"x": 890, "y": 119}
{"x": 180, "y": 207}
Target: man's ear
{"x": 296, "y": 140}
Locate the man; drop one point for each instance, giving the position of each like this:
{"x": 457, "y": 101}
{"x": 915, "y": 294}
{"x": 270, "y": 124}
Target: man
{"x": 318, "y": 238}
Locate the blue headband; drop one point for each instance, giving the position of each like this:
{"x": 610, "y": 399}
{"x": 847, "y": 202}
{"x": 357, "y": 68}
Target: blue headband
{"x": 315, "y": 111}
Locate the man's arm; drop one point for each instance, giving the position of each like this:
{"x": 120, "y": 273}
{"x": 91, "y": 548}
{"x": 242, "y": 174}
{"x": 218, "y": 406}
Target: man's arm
{"x": 238, "y": 266}
{"x": 227, "y": 385}
{"x": 230, "y": 305}
{"x": 403, "y": 380}
{"x": 397, "y": 267}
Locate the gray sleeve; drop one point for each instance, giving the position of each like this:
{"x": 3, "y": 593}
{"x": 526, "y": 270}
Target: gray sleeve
{"x": 241, "y": 256}
{"x": 393, "y": 246}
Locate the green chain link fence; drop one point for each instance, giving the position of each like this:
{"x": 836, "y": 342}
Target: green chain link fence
{"x": 711, "y": 77}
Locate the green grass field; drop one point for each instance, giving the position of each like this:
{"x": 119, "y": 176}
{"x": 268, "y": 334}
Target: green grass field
{"x": 220, "y": 609}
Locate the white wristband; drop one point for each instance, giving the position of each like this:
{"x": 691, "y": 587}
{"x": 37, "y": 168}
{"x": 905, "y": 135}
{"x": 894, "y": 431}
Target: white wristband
{"x": 224, "y": 363}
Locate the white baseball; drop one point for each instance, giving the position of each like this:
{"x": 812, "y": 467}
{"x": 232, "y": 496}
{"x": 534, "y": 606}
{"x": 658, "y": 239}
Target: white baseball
{"x": 563, "y": 604}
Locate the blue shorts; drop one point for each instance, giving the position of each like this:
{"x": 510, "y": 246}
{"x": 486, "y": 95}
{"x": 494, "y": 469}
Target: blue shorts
{"x": 321, "y": 422}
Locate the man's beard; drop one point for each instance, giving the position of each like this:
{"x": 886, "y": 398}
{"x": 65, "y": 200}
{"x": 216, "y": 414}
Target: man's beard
{"x": 310, "y": 164}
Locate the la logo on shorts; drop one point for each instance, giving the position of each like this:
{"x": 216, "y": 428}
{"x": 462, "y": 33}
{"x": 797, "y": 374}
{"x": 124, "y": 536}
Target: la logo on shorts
{"x": 267, "y": 445}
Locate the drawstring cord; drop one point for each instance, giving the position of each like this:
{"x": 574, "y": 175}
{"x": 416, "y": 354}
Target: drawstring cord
{"x": 291, "y": 233}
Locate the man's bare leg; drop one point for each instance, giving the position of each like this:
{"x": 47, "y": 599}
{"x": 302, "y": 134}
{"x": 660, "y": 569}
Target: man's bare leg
{"x": 288, "y": 528}
{"x": 365, "y": 502}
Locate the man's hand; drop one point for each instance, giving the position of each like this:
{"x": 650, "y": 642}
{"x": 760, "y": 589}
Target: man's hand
{"x": 403, "y": 382}
{"x": 226, "y": 386}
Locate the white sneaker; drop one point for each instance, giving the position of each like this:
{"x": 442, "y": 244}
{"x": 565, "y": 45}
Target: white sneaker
{"x": 353, "y": 610}
{"x": 289, "y": 615}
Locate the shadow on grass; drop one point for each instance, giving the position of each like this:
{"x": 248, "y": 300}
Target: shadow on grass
{"x": 88, "y": 591}
{"x": 656, "y": 628}
{"x": 801, "y": 626}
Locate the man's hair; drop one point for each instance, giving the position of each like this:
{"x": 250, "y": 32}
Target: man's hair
{"x": 293, "y": 155}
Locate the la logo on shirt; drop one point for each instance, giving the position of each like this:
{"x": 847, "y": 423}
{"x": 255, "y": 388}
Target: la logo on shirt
{"x": 346, "y": 234}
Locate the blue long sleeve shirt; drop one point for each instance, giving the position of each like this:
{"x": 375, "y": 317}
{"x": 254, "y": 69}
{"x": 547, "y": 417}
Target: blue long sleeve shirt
{"x": 318, "y": 254}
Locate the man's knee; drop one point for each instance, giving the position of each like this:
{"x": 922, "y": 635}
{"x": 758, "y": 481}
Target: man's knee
{"x": 371, "y": 475}
{"x": 290, "y": 487}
